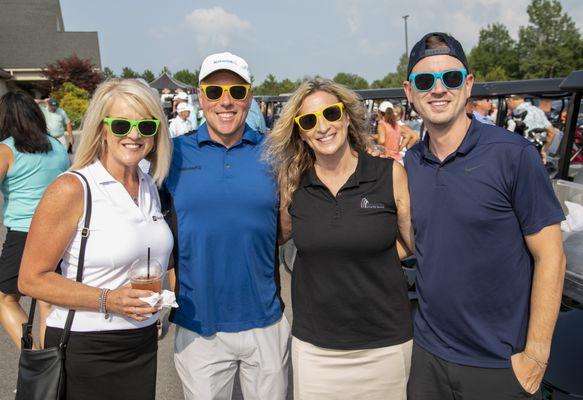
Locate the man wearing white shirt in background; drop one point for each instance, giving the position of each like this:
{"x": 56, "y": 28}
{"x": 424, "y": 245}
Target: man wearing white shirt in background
{"x": 181, "y": 124}
{"x": 183, "y": 98}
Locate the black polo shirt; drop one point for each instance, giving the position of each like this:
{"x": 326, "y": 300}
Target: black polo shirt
{"x": 348, "y": 287}
{"x": 470, "y": 213}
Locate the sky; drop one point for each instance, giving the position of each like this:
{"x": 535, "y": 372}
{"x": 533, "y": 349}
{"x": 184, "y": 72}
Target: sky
{"x": 290, "y": 39}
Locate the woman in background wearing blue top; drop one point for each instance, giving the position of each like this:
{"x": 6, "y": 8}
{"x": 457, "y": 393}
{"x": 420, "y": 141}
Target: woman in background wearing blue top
{"x": 29, "y": 160}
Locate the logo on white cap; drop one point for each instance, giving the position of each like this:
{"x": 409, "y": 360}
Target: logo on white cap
{"x": 224, "y": 61}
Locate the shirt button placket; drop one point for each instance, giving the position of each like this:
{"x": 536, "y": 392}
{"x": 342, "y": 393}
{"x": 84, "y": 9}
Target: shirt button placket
{"x": 227, "y": 163}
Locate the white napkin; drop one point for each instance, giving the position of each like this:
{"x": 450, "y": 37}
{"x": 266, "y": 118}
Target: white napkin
{"x": 574, "y": 220}
{"x": 160, "y": 300}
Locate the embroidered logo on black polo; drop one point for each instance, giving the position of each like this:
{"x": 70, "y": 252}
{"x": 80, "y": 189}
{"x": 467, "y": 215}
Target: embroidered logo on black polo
{"x": 364, "y": 203}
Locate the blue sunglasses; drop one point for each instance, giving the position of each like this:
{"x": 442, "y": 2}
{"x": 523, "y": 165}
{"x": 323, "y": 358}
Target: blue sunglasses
{"x": 452, "y": 79}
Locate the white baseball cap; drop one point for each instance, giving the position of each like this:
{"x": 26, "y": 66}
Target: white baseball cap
{"x": 182, "y": 107}
{"x": 181, "y": 96}
{"x": 228, "y": 61}
{"x": 384, "y": 105}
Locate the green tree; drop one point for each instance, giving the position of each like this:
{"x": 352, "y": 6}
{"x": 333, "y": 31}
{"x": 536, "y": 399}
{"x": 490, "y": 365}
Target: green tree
{"x": 495, "y": 50}
{"x": 496, "y": 74}
{"x": 550, "y": 45}
{"x": 288, "y": 86}
{"x": 188, "y": 77}
{"x": 128, "y": 73}
{"x": 268, "y": 87}
{"x": 73, "y": 100}
{"x": 165, "y": 70}
{"x": 351, "y": 81}
{"x": 148, "y": 75}
{"x": 108, "y": 73}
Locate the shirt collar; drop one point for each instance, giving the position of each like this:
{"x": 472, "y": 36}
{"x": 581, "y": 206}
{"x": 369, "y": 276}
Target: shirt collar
{"x": 249, "y": 136}
{"x": 102, "y": 175}
{"x": 468, "y": 143}
{"x": 365, "y": 172}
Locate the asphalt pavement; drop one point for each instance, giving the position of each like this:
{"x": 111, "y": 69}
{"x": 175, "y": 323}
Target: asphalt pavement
{"x": 168, "y": 386}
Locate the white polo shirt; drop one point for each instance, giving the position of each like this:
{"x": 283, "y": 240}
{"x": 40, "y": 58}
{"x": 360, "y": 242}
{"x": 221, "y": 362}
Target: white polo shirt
{"x": 120, "y": 233}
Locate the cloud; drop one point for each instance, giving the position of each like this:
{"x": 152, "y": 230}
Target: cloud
{"x": 354, "y": 21}
{"x": 352, "y": 10}
{"x": 215, "y": 29}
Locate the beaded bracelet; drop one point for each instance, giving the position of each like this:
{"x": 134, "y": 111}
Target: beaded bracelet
{"x": 103, "y": 302}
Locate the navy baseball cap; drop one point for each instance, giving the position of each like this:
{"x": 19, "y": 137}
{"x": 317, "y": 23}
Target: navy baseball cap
{"x": 53, "y": 103}
{"x": 420, "y": 51}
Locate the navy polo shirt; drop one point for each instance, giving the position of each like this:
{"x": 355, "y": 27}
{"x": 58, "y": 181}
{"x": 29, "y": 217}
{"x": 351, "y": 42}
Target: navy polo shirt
{"x": 226, "y": 204}
{"x": 470, "y": 214}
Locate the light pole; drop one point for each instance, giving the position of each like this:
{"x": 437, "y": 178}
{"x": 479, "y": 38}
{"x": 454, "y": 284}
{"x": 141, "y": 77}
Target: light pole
{"x": 406, "y": 37}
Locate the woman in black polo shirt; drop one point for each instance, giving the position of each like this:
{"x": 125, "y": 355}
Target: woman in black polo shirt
{"x": 345, "y": 210}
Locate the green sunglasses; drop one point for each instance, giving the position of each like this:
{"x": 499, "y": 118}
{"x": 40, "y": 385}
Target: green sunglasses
{"x": 123, "y": 126}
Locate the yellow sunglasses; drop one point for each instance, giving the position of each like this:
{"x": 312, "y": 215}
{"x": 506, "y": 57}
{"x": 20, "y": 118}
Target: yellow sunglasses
{"x": 215, "y": 92}
{"x": 308, "y": 121}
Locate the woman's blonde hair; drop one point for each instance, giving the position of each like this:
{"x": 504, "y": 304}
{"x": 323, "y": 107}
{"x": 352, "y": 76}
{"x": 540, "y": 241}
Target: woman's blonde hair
{"x": 285, "y": 150}
{"x": 140, "y": 97}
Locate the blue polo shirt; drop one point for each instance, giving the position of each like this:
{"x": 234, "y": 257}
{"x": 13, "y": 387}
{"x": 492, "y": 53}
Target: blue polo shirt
{"x": 226, "y": 204}
{"x": 470, "y": 214}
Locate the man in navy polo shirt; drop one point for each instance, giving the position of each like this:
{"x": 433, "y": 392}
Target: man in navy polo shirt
{"x": 488, "y": 243}
{"x": 226, "y": 205}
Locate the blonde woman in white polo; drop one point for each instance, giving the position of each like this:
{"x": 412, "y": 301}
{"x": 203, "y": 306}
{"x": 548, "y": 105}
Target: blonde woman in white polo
{"x": 112, "y": 348}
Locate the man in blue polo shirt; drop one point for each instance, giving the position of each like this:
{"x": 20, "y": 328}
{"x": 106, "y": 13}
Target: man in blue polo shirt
{"x": 488, "y": 243}
{"x": 226, "y": 205}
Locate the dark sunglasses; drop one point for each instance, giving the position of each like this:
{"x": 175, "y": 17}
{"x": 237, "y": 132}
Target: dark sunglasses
{"x": 123, "y": 126}
{"x": 215, "y": 92}
{"x": 425, "y": 81}
{"x": 308, "y": 121}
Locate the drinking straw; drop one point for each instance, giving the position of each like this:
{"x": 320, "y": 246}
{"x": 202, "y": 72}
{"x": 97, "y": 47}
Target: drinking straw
{"x": 148, "y": 263}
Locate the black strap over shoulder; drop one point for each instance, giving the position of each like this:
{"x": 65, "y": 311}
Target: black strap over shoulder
{"x": 27, "y": 328}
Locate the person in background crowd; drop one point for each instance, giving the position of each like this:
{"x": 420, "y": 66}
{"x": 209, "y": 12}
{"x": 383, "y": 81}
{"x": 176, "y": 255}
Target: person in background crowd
{"x": 166, "y": 101}
{"x": 269, "y": 120}
{"x": 225, "y": 200}
{"x": 480, "y": 109}
{"x": 490, "y": 261}
{"x": 493, "y": 111}
{"x": 57, "y": 121}
{"x": 408, "y": 136}
{"x": 535, "y": 119}
{"x": 389, "y": 131}
{"x": 255, "y": 118}
{"x": 181, "y": 124}
{"x": 113, "y": 342}
{"x": 183, "y": 98}
{"x": 29, "y": 161}
{"x": 344, "y": 210}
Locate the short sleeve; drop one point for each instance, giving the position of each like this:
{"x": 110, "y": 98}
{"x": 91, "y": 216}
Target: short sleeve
{"x": 66, "y": 119}
{"x": 533, "y": 199}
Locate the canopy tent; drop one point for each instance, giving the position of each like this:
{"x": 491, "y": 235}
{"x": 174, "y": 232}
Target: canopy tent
{"x": 165, "y": 80}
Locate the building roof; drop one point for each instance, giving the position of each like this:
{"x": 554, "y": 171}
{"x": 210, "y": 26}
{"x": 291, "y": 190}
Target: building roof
{"x": 32, "y": 35}
{"x": 165, "y": 80}
{"x": 4, "y": 74}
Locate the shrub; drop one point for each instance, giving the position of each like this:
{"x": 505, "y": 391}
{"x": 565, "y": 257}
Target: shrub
{"x": 73, "y": 100}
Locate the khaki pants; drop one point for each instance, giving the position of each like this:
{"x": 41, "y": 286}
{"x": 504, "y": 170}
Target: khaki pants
{"x": 369, "y": 374}
{"x": 207, "y": 365}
